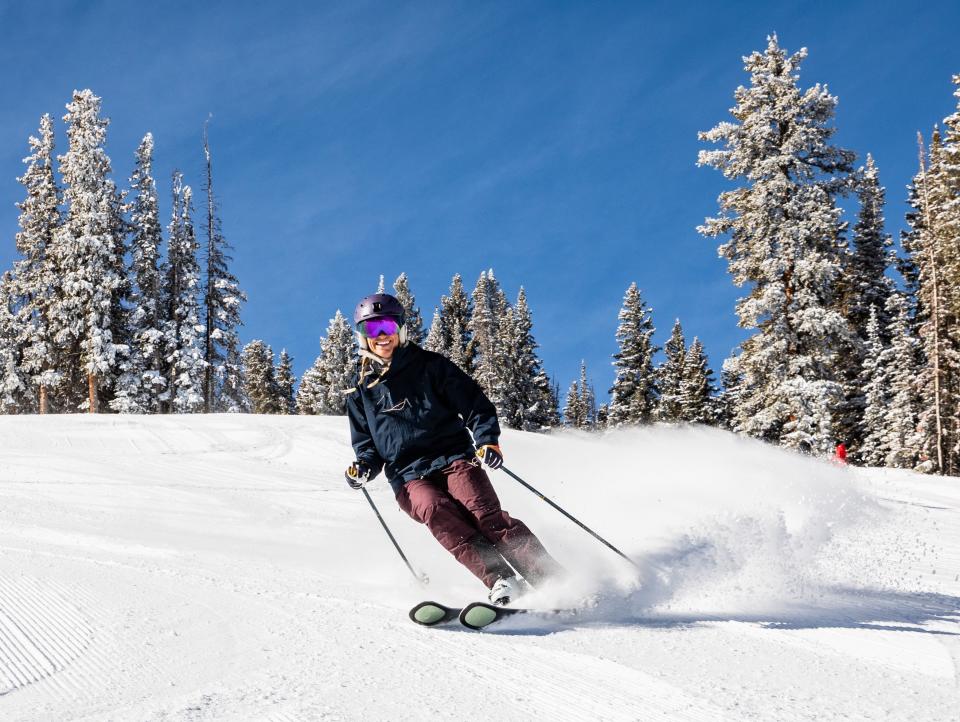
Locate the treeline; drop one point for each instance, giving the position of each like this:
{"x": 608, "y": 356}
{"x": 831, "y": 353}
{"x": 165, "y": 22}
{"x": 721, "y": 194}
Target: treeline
{"x": 92, "y": 316}
{"x": 483, "y": 333}
{"x": 492, "y": 340}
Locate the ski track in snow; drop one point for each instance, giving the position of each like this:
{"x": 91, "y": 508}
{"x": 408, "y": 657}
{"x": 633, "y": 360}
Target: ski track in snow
{"x": 217, "y": 568}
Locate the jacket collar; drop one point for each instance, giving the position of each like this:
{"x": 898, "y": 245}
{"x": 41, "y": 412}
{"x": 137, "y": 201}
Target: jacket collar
{"x": 372, "y": 365}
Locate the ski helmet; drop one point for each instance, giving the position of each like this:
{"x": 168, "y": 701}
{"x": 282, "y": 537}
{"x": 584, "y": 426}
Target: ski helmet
{"x": 377, "y": 306}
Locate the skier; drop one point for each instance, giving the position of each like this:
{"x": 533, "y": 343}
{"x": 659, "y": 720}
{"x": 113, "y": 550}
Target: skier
{"x": 410, "y": 411}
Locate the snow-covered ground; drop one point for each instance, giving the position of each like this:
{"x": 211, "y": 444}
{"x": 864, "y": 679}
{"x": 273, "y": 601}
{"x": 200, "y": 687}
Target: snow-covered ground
{"x": 193, "y": 568}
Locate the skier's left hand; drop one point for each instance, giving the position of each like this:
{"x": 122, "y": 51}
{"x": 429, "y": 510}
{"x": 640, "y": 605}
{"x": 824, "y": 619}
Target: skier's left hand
{"x": 357, "y": 474}
{"x": 490, "y": 455}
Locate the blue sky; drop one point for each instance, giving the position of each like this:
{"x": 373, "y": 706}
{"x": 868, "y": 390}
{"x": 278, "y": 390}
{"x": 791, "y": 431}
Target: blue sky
{"x": 555, "y": 142}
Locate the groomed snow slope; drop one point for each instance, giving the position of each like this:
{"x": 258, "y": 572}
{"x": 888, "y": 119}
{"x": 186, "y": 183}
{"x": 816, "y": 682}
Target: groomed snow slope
{"x": 194, "y": 568}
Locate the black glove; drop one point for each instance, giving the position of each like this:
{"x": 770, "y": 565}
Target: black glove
{"x": 490, "y": 455}
{"x": 357, "y": 474}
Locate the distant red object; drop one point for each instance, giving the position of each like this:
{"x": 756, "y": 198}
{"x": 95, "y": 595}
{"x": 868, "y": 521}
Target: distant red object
{"x": 841, "y": 455}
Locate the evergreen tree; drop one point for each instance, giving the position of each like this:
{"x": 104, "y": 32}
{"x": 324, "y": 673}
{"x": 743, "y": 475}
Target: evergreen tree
{"x": 325, "y": 385}
{"x": 532, "y": 407}
{"x": 671, "y": 375}
{"x": 260, "y": 379}
{"x": 184, "y": 354}
{"x": 454, "y": 334}
{"x": 233, "y": 396}
{"x": 786, "y": 244}
{"x": 698, "y": 403}
{"x": 902, "y": 442}
{"x": 285, "y": 382}
{"x": 876, "y": 385}
{"x": 85, "y": 254}
{"x": 36, "y": 278}
{"x": 634, "y": 392}
{"x": 14, "y": 382}
{"x": 573, "y": 413}
{"x": 871, "y": 256}
{"x": 938, "y": 303}
{"x": 864, "y": 288}
{"x": 729, "y": 400}
{"x": 581, "y": 409}
{"x": 311, "y": 391}
{"x": 222, "y": 303}
{"x": 414, "y": 321}
{"x": 948, "y": 217}
{"x": 143, "y": 384}
{"x": 908, "y": 264}
{"x": 435, "y": 341}
{"x": 489, "y": 316}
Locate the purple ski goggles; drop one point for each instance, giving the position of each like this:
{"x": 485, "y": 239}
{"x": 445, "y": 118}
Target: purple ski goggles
{"x": 371, "y": 328}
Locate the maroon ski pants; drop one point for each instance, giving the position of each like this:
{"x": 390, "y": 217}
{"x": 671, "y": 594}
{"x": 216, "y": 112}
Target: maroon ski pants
{"x": 461, "y": 509}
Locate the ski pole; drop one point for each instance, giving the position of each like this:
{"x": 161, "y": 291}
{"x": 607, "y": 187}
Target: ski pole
{"x": 421, "y": 578}
{"x": 572, "y": 518}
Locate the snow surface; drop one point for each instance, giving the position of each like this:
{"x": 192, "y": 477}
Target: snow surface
{"x": 218, "y": 567}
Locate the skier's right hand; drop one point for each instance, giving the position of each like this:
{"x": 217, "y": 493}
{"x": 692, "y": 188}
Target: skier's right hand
{"x": 357, "y": 474}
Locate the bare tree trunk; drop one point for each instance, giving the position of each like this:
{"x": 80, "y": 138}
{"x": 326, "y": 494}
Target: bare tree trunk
{"x": 934, "y": 306}
{"x": 92, "y": 393}
{"x": 43, "y": 399}
{"x": 211, "y": 251}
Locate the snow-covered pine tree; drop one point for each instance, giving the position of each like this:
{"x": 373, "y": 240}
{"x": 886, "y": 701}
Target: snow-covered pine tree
{"x": 581, "y": 409}
{"x": 184, "y": 352}
{"x": 938, "y": 378}
{"x": 603, "y": 416}
{"x": 871, "y": 256}
{"x": 865, "y": 289}
{"x": 531, "y": 393}
{"x": 510, "y": 377}
{"x": 573, "y": 413}
{"x": 222, "y": 302}
{"x": 260, "y": 379}
{"x": 634, "y": 393}
{"x": 907, "y": 262}
{"x": 455, "y": 313}
{"x": 85, "y": 253}
{"x": 901, "y": 417}
{"x": 435, "y": 341}
{"x": 414, "y": 321}
{"x": 325, "y": 385}
{"x": 35, "y": 276}
{"x": 233, "y": 397}
{"x": 785, "y": 242}
{"x": 729, "y": 399}
{"x": 285, "y": 382}
{"x": 143, "y": 383}
{"x": 698, "y": 401}
{"x": 310, "y": 392}
{"x": 489, "y": 355}
{"x": 875, "y": 382}
{"x": 937, "y": 254}
{"x": 670, "y": 376}
{"x": 381, "y": 287}
{"x": 14, "y": 381}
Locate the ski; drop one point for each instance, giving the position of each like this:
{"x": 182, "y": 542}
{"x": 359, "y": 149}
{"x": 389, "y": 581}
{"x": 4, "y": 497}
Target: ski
{"x": 431, "y": 614}
{"x": 480, "y": 615}
{"x": 476, "y": 615}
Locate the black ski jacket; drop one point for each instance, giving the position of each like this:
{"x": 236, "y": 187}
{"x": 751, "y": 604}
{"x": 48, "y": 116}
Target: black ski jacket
{"x": 412, "y": 415}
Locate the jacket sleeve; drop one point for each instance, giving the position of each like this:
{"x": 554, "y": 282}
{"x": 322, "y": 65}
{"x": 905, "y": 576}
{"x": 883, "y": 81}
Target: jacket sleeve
{"x": 360, "y": 436}
{"x": 466, "y": 396}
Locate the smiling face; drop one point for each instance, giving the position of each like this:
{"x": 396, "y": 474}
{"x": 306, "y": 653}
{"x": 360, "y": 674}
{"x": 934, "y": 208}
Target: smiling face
{"x": 384, "y": 345}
